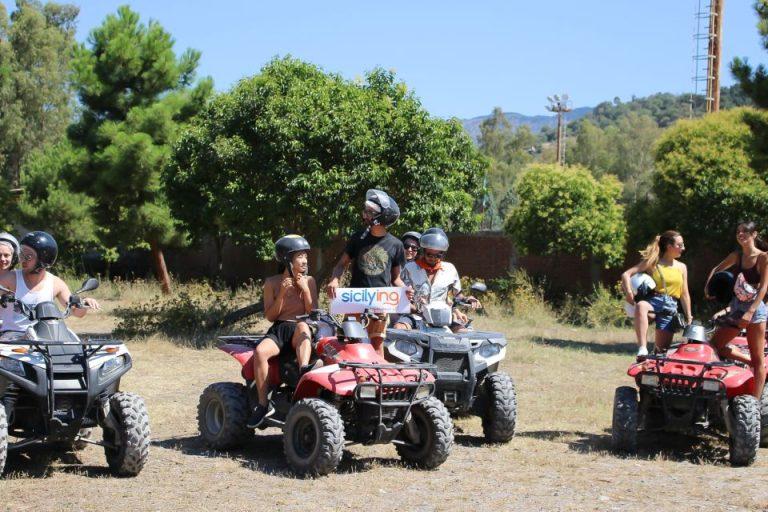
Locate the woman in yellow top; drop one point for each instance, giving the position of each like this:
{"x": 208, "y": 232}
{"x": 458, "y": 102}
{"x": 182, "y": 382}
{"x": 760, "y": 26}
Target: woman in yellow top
{"x": 671, "y": 278}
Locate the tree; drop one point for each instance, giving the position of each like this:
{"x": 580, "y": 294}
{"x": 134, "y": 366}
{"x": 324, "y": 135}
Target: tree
{"x": 36, "y": 43}
{"x": 136, "y": 95}
{"x": 293, "y": 149}
{"x": 754, "y": 81}
{"x": 508, "y": 150}
{"x": 49, "y": 203}
{"x": 711, "y": 173}
{"x": 565, "y": 210}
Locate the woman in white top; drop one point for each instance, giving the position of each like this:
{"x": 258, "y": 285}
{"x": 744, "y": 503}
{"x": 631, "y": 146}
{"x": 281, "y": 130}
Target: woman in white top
{"x": 33, "y": 284}
{"x": 9, "y": 258}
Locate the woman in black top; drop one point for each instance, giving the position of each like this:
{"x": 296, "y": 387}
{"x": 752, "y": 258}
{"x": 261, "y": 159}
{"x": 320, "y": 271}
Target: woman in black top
{"x": 747, "y": 310}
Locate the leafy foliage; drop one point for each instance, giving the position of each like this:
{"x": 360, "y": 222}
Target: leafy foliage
{"x": 135, "y": 95}
{"x": 36, "y": 44}
{"x": 712, "y": 174}
{"x": 754, "y": 81}
{"x": 294, "y": 149}
{"x": 48, "y": 202}
{"x": 568, "y": 211}
{"x": 509, "y": 152}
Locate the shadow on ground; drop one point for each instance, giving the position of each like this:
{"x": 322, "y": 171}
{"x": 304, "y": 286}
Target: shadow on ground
{"x": 668, "y": 446}
{"x": 597, "y": 348}
{"x": 42, "y": 462}
{"x": 264, "y": 453}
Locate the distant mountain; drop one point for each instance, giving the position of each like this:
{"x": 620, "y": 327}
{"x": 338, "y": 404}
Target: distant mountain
{"x": 535, "y": 123}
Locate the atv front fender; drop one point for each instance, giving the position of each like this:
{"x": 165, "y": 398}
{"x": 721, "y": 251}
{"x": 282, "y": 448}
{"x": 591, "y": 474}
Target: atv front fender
{"x": 332, "y": 378}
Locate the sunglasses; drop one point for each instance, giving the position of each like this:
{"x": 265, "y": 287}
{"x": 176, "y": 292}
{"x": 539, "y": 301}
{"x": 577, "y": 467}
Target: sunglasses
{"x": 27, "y": 257}
{"x": 434, "y": 254}
{"x": 411, "y": 247}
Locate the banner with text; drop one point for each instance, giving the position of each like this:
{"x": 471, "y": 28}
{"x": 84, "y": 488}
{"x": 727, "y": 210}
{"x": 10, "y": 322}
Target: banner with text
{"x": 377, "y": 300}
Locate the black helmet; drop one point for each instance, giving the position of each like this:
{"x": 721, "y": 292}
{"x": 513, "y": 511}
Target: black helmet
{"x": 435, "y": 240}
{"x": 388, "y": 211}
{"x": 287, "y": 245}
{"x": 10, "y": 239}
{"x": 721, "y": 287}
{"x": 45, "y": 247}
{"x": 415, "y": 235}
{"x": 435, "y": 230}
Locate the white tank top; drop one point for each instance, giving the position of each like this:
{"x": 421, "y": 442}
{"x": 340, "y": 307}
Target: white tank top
{"x": 13, "y": 321}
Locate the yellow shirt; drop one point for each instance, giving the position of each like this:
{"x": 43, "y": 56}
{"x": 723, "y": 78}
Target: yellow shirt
{"x": 673, "y": 276}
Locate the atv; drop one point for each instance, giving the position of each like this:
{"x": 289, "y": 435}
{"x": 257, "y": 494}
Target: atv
{"x": 690, "y": 390}
{"x": 355, "y": 397}
{"x": 466, "y": 365}
{"x": 56, "y": 387}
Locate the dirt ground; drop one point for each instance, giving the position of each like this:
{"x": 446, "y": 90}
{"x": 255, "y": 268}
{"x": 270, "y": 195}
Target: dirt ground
{"x": 558, "y": 460}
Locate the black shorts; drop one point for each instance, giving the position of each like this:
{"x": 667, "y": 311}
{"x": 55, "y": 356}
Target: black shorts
{"x": 281, "y": 332}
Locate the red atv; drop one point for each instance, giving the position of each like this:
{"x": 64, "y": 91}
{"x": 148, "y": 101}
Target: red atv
{"x": 690, "y": 390}
{"x": 355, "y": 397}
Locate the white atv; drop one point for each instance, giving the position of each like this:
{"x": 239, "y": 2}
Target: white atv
{"x": 467, "y": 376}
{"x": 55, "y": 387}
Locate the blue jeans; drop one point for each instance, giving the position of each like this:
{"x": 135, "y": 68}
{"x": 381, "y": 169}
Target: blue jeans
{"x": 738, "y": 308}
{"x": 664, "y": 307}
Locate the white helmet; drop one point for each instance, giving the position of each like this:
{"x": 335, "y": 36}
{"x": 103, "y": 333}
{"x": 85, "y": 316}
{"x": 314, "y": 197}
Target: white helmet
{"x": 639, "y": 283}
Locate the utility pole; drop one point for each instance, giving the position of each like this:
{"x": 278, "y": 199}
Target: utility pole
{"x": 714, "y": 54}
{"x": 559, "y": 105}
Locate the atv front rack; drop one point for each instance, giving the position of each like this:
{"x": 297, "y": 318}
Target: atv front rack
{"x": 391, "y": 394}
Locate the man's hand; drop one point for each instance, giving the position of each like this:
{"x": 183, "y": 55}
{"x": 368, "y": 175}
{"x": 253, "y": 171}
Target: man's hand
{"x": 333, "y": 284}
{"x": 472, "y": 301}
{"x": 460, "y": 317}
{"x": 302, "y": 283}
{"x": 410, "y": 293}
{"x": 285, "y": 285}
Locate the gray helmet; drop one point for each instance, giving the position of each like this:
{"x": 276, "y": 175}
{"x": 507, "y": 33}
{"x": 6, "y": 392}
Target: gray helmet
{"x": 436, "y": 240}
{"x": 287, "y": 245}
{"x": 434, "y": 230}
{"x": 415, "y": 235}
{"x": 10, "y": 239}
{"x": 388, "y": 210}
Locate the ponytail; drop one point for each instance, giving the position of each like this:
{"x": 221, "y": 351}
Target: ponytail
{"x": 658, "y": 247}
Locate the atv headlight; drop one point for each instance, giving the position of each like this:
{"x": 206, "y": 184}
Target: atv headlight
{"x": 367, "y": 391}
{"x": 12, "y": 365}
{"x": 711, "y": 385}
{"x": 489, "y": 350}
{"x": 407, "y": 347}
{"x": 111, "y": 366}
{"x": 649, "y": 380}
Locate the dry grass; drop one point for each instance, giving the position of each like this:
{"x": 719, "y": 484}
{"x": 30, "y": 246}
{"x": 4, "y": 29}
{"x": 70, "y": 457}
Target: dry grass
{"x": 558, "y": 460}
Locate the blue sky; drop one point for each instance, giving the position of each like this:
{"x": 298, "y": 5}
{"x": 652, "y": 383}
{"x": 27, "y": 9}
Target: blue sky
{"x": 461, "y": 58}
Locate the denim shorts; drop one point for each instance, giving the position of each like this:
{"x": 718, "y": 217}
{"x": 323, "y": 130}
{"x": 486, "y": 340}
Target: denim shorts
{"x": 738, "y": 308}
{"x": 664, "y": 306}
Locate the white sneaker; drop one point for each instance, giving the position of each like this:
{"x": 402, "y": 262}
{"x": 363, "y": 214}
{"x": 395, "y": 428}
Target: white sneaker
{"x": 642, "y": 351}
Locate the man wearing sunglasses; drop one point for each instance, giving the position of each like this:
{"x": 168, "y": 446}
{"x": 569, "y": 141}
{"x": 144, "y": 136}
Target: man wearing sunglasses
{"x": 431, "y": 280}
{"x": 376, "y": 257}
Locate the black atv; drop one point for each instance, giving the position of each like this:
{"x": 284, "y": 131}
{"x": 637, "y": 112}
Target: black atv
{"x": 467, "y": 378}
{"x": 55, "y": 388}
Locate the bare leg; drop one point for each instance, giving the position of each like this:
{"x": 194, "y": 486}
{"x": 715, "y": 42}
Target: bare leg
{"x": 720, "y": 340}
{"x": 642, "y": 309}
{"x": 301, "y": 343}
{"x": 662, "y": 339}
{"x": 406, "y": 327}
{"x": 378, "y": 345}
{"x": 265, "y": 350}
{"x": 756, "y": 340}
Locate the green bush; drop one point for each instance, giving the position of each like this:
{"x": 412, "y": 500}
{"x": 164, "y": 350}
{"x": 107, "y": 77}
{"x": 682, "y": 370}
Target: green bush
{"x": 605, "y": 308}
{"x": 522, "y": 295}
{"x": 192, "y": 317}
